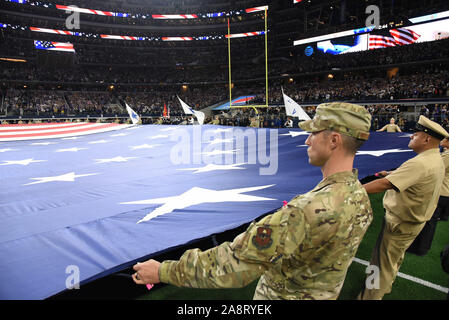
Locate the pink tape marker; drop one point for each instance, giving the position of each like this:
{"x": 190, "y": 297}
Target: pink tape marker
{"x": 150, "y": 286}
{"x": 284, "y": 203}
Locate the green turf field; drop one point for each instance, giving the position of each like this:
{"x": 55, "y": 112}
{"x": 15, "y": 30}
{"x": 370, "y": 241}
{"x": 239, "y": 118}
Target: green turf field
{"x": 426, "y": 268}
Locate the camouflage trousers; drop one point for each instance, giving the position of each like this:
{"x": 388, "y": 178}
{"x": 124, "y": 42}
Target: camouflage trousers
{"x": 388, "y": 254}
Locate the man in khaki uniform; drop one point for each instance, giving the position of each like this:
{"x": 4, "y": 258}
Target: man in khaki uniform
{"x": 255, "y": 122}
{"x": 443, "y": 202}
{"x": 216, "y": 121}
{"x": 303, "y": 250}
{"x": 392, "y": 127}
{"x": 411, "y": 196}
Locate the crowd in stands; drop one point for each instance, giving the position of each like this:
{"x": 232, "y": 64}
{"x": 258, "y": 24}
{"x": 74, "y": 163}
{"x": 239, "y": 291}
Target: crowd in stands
{"x": 104, "y": 76}
{"x": 381, "y": 114}
{"x": 422, "y": 85}
{"x": 426, "y": 82}
{"x": 208, "y": 63}
{"x": 139, "y": 14}
{"x": 62, "y": 104}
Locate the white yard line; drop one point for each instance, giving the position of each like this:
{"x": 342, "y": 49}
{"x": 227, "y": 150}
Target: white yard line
{"x": 411, "y": 278}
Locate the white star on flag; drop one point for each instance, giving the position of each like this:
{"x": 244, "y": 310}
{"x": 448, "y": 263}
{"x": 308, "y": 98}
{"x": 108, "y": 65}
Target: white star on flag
{"x": 69, "y": 177}
{"x": 71, "y": 138}
{"x": 215, "y": 141}
{"x": 144, "y": 146}
{"x": 295, "y": 133}
{"x": 74, "y": 149}
{"x": 42, "y": 143}
{"x": 218, "y": 152}
{"x": 24, "y": 162}
{"x": 215, "y": 167}
{"x": 195, "y": 196}
{"x": 116, "y": 159}
{"x": 378, "y": 153}
{"x": 119, "y": 134}
{"x": 221, "y": 130}
{"x": 158, "y": 136}
{"x": 169, "y": 129}
{"x": 98, "y": 141}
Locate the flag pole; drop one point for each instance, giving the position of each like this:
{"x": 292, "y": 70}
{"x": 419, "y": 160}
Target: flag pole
{"x": 229, "y": 67}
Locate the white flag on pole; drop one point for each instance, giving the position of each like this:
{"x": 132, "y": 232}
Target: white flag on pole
{"x": 187, "y": 110}
{"x": 292, "y": 109}
{"x": 132, "y": 114}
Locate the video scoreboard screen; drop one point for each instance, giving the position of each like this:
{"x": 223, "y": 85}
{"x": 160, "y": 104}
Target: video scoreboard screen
{"x": 371, "y": 39}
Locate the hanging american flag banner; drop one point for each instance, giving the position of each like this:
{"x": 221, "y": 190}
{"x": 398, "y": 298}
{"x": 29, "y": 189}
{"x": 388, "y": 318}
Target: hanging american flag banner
{"x": 60, "y": 32}
{"x": 107, "y": 36}
{"x": 177, "y": 38}
{"x": 256, "y": 9}
{"x": 54, "y": 46}
{"x": 91, "y": 11}
{"x": 174, "y": 16}
{"x": 246, "y": 34}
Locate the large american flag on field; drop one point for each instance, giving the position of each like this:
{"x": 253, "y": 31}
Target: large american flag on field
{"x": 102, "y": 202}
{"x": 399, "y": 37}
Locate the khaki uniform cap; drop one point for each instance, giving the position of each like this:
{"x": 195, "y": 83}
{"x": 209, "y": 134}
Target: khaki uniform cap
{"x": 349, "y": 119}
{"x": 431, "y": 128}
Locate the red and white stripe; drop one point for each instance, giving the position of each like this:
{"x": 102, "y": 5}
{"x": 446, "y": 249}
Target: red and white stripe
{"x": 297, "y": 1}
{"x": 377, "y": 42}
{"x": 54, "y": 130}
{"x": 177, "y": 38}
{"x": 243, "y": 100}
{"x": 63, "y": 46}
{"x": 107, "y": 36}
{"x": 174, "y": 16}
{"x": 61, "y": 32}
{"x": 404, "y": 36}
{"x": 83, "y": 10}
{"x": 247, "y": 34}
{"x": 256, "y": 9}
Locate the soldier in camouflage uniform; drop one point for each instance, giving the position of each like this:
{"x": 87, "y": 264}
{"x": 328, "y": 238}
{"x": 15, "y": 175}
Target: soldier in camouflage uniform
{"x": 303, "y": 250}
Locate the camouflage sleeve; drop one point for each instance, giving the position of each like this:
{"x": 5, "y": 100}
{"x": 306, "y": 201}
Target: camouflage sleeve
{"x": 237, "y": 264}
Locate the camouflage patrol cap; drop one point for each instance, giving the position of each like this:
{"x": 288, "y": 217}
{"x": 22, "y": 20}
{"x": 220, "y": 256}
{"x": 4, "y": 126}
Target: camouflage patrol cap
{"x": 347, "y": 118}
{"x": 431, "y": 128}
